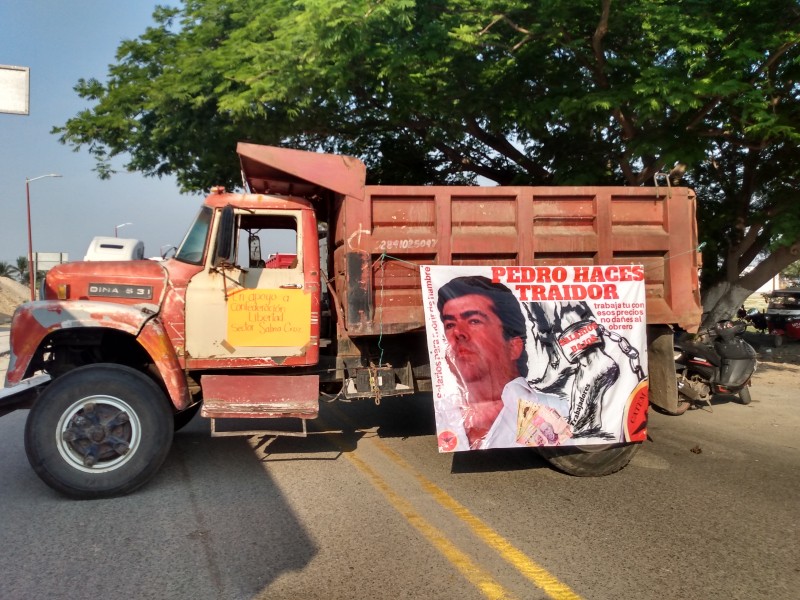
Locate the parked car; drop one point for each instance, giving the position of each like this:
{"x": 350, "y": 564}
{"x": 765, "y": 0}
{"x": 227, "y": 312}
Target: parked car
{"x": 783, "y": 315}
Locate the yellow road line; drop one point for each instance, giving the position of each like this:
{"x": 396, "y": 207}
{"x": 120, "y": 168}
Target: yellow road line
{"x": 532, "y": 571}
{"x": 529, "y": 568}
{"x": 465, "y": 565}
{"x": 461, "y": 561}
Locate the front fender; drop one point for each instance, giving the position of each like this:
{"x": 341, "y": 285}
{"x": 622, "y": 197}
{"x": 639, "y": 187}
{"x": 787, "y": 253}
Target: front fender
{"x": 34, "y": 321}
{"x": 156, "y": 342}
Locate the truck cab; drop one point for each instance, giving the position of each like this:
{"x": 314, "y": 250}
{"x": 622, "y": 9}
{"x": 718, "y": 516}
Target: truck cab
{"x": 241, "y": 311}
{"x": 113, "y": 248}
{"x": 117, "y": 346}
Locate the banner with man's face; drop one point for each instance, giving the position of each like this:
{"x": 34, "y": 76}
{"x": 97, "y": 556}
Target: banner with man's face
{"x": 536, "y": 356}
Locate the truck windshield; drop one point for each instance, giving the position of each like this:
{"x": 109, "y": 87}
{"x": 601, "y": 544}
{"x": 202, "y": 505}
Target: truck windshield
{"x": 194, "y": 244}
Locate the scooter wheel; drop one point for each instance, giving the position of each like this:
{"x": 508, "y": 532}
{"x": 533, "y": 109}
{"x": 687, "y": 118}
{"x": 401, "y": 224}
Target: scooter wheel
{"x": 744, "y": 395}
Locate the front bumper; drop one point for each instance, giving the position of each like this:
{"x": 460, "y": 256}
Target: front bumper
{"x": 23, "y": 394}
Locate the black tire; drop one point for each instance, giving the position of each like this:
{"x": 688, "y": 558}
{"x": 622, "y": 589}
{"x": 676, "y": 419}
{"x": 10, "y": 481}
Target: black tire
{"x": 590, "y": 461}
{"x": 99, "y": 431}
{"x": 182, "y": 419}
{"x": 744, "y": 396}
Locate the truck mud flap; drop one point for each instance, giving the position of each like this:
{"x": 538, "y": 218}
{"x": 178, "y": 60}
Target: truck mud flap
{"x": 663, "y": 391}
{"x": 359, "y": 285}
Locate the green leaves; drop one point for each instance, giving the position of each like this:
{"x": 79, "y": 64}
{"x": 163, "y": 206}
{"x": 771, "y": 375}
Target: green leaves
{"x": 460, "y": 75}
{"x": 437, "y": 91}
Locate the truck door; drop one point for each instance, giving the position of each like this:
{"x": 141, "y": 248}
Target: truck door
{"x": 254, "y": 308}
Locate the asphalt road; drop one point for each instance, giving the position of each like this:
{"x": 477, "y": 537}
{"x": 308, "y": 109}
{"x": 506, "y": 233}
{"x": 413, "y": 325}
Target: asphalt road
{"x": 367, "y": 508}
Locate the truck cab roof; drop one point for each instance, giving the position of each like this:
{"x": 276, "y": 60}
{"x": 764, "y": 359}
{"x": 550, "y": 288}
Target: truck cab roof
{"x": 112, "y": 248}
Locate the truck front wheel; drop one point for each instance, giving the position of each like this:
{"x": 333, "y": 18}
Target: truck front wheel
{"x": 99, "y": 431}
{"x": 590, "y": 461}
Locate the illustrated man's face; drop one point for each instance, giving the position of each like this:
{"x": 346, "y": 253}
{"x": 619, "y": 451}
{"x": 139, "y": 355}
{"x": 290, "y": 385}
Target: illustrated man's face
{"x": 548, "y": 431}
{"x": 475, "y": 334}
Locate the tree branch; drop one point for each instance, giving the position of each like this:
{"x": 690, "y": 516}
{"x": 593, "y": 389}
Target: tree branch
{"x": 732, "y": 139}
{"x": 599, "y": 66}
{"x": 716, "y": 100}
{"x": 754, "y": 243}
{"x": 461, "y": 161}
{"x": 773, "y": 58}
{"x": 650, "y": 171}
{"x": 703, "y": 112}
{"x": 505, "y": 148}
{"x": 776, "y": 262}
{"x": 749, "y": 183}
{"x": 597, "y": 43}
{"x": 528, "y": 36}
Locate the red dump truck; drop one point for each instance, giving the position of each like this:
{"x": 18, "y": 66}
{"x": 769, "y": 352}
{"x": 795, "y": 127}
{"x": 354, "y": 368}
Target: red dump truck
{"x": 118, "y": 355}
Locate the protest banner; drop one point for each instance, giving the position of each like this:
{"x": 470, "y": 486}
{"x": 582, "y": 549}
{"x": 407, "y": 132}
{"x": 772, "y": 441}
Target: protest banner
{"x": 536, "y": 356}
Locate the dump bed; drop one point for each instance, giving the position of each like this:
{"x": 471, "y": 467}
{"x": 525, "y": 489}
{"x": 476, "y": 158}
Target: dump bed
{"x": 380, "y": 235}
{"x": 382, "y": 240}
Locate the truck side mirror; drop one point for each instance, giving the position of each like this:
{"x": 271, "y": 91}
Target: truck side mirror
{"x": 254, "y": 242}
{"x": 224, "y": 244}
{"x": 322, "y": 230}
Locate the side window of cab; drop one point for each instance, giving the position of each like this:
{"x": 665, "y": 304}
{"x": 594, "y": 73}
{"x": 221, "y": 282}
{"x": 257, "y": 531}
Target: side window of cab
{"x": 267, "y": 241}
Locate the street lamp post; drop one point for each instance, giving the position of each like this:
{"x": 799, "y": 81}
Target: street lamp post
{"x": 120, "y": 227}
{"x": 31, "y": 273}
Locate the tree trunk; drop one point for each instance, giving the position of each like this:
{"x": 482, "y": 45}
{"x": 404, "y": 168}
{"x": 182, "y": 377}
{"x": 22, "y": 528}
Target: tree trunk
{"x": 721, "y": 301}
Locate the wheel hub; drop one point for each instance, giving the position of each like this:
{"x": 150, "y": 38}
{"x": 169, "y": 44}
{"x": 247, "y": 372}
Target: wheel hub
{"x": 98, "y": 433}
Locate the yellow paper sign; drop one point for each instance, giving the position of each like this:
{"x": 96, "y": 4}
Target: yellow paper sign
{"x": 269, "y": 318}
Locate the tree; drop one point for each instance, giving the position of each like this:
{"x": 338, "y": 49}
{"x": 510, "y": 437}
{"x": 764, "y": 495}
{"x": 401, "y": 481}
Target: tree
{"x": 20, "y": 270}
{"x": 446, "y": 91}
{"x": 792, "y": 273}
{"x": 6, "y": 270}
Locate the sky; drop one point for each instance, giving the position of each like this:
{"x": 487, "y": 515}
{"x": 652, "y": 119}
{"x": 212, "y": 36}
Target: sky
{"x": 61, "y": 42}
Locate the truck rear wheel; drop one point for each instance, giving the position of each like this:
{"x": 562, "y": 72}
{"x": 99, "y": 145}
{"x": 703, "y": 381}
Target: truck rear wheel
{"x": 590, "y": 461}
{"x": 99, "y": 431}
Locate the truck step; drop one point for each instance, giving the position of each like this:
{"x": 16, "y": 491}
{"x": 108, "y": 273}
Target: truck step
{"x": 287, "y": 427}
{"x": 260, "y": 396}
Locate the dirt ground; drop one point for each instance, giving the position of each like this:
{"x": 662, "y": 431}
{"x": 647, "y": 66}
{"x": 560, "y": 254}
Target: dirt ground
{"x": 779, "y": 367}
{"x": 12, "y": 294}
{"x": 781, "y": 378}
